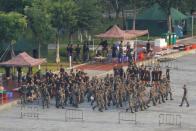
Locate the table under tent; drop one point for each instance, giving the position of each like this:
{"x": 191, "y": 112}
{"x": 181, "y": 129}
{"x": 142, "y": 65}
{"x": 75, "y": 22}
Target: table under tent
{"x": 117, "y": 34}
{"x": 16, "y": 63}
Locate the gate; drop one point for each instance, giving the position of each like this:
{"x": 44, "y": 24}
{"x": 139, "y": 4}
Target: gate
{"x": 127, "y": 116}
{"x": 170, "y": 119}
{"x": 29, "y": 112}
{"x": 74, "y": 114}
{"x": 170, "y": 64}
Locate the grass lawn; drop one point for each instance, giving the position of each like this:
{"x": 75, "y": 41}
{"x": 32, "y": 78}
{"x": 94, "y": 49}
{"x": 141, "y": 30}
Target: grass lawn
{"x": 50, "y": 66}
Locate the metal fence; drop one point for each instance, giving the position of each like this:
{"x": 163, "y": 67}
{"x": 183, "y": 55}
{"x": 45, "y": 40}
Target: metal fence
{"x": 29, "y": 112}
{"x": 127, "y": 116}
{"x": 171, "y": 65}
{"x": 170, "y": 119}
{"x": 74, "y": 114}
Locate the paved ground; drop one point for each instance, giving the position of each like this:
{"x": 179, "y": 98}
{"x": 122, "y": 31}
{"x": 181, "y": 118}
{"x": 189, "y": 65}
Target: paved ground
{"x": 188, "y": 40}
{"x": 54, "y": 120}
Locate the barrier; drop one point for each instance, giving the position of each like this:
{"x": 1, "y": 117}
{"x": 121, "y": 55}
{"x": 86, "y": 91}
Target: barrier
{"x": 170, "y": 119}
{"x": 127, "y": 116}
{"x": 74, "y": 114}
{"x": 30, "y": 112}
{"x": 170, "y": 64}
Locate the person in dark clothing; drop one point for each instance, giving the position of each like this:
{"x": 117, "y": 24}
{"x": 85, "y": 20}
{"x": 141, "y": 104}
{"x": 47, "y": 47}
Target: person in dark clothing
{"x": 68, "y": 51}
{"x": 148, "y": 46}
{"x": 184, "y": 98}
{"x": 130, "y": 71}
{"x": 121, "y": 72}
{"x": 19, "y": 69}
{"x": 71, "y": 50}
{"x": 77, "y": 50}
{"x": 87, "y": 51}
{"x": 147, "y": 75}
{"x": 114, "y": 51}
{"x": 128, "y": 53}
{"x": 156, "y": 75}
{"x": 159, "y": 74}
{"x": 62, "y": 70}
{"x": 104, "y": 45}
{"x": 153, "y": 74}
{"x": 168, "y": 73}
{"x": 128, "y": 50}
{"x": 84, "y": 52}
{"x": 120, "y": 55}
{"x": 142, "y": 73}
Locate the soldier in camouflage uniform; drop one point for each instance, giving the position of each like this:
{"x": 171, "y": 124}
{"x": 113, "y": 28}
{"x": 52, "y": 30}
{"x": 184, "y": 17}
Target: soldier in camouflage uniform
{"x": 45, "y": 96}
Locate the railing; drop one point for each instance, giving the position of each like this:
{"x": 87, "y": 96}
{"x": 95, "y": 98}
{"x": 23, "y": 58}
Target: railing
{"x": 171, "y": 65}
{"x": 29, "y": 112}
{"x": 170, "y": 119}
{"x": 127, "y": 116}
{"x": 74, "y": 114}
{"x": 153, "y": 61}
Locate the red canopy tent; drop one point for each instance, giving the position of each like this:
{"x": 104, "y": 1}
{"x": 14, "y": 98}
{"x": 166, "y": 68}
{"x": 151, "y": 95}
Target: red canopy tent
{"x": 23, "y": 60}
{"x": 116, "y": 33}
{"x": 137, "y": 33}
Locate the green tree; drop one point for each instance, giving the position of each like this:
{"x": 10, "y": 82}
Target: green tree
{"x": 14, "y": 5}
{"x": 119, "y": 6}
{"x": 189, "y": 6}
{"x": 167, "y": 5}
{"x": 12, "y": 25}
{"x": 88, "y": 15}
{"x": 39, "y": 22}
{"x": 137, "y": 5}
{"x": 63, "y": 14}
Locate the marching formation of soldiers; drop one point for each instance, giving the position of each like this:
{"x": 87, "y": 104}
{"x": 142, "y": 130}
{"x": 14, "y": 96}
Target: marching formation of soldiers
{"x": 132, "y": 90}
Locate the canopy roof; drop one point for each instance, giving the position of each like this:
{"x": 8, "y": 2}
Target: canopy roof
{"x": 137, "y": 33}
{"x": 156, "y": 12}
{"x": 23, "y": 60}
{"x": 116, "y": 33}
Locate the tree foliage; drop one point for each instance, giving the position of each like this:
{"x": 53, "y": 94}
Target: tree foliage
{"x": 63, "y": 14}
{"x": 63, "y": 17}
{"x": 168, "y": 4}
{"x": 67, "y": 16}
{"x": 12, "y": 25}
{"x": 39, "y": 20}
{"x": 88, "y": 14}
{"x": 14, "y": 5}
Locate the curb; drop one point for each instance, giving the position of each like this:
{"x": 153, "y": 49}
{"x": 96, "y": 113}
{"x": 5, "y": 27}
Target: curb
{"x": 185, "y": 39}
{"x": 73, "y": 67}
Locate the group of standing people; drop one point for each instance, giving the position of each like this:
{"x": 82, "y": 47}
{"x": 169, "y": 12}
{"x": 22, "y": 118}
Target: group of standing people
{"x": 130, "y": 89}
{"x": 75, "y": 52}
{"x": 122, "y": 53}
